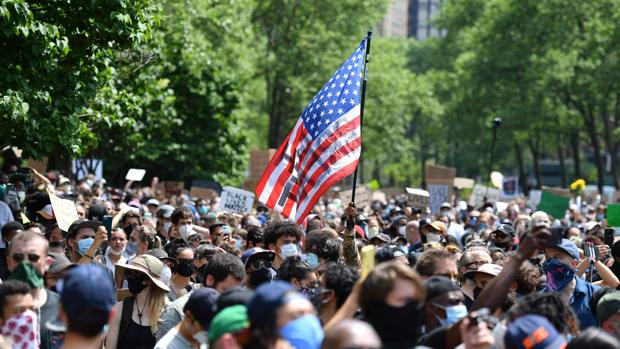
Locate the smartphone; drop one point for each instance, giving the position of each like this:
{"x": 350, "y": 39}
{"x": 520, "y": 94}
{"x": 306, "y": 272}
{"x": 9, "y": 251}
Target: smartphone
{"x": 591, "y": 251}
{"x": 610, "y": 234}
{"x": 107, "y": 223}
{"x": 557, "y": 233}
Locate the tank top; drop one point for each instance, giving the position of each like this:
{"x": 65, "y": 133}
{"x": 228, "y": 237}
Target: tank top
{"x": 133, "y": 335}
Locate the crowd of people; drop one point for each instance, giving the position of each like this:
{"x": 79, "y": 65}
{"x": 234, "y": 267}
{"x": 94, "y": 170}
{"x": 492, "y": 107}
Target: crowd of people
{"x": 142, "y": 269}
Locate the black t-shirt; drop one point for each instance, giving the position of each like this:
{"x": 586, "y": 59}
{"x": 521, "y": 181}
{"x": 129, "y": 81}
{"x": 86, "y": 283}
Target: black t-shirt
{"x": 49, "y": 312}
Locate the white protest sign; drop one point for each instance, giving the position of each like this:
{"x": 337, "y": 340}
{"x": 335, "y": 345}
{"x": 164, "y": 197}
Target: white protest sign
{"x": 480, "y": 191}
{"x": 438, "y": 194}
{"x": 64, "y": 211}
{"x": 417, "y": 198}
{"x": 501, "y": 206}
{"x": 534, "y": 197}
{"x": 236, "y": 200}
{"x": 135, "y": 174}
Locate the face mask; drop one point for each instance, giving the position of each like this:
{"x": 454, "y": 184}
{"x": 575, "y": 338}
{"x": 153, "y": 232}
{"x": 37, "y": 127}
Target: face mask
{"x": 203, "y": 210}
{"x": 259, "y": 277}
{"x": 131, "y": 248}
{"x": 433, "y": 237}
{"x": 395, "y": 324}
{"x": 481, "y": 227}
{"x": 21, "y": 195}
{"x": 314, "y": 296}
{"x": 26, "y": 272}
{"x": 445, "y": 213}
{"x": 167, "y": 226}
{"x": 185, "y": 231}
{"x": 559, "y": 275}
{"x": 454, "y": 313}
{"x": 115, "y": 252}
{"x": 402, "y": 230}
{"x": 404, "y": 249}
{"x": 288, "y": 250}
{"x": 129, "y": 229}
{"x": 600, "y": 216}
{"x": 312, "y": 259}
{"x": 238, "y": 244}
{"x": 303, "y": 332}
{"x": 84, "y": 245}
{"x": 477, "y": 291}
{"x": 473, "y": 221}
{"x": 372, "y": 232}
{"x": 184, "y": 268}
{"x": 503, "y": 245}
{"x": 166, "y": 274}
{"x": 22, "y": 329}
{"x": 135, "y": 285}
{"x": 201, "y": 337}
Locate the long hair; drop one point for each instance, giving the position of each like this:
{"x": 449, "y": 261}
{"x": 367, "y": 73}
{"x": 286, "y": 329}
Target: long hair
{"x": 157, "y": 301}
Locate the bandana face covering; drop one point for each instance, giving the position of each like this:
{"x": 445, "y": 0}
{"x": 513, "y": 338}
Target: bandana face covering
{"x": 558, "y": 274}
{"x": 22, "y": 329}
{"x": 27, "y": 273}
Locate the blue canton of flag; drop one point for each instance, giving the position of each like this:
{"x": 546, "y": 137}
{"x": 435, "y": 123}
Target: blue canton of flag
{"x": 339, "y": 95}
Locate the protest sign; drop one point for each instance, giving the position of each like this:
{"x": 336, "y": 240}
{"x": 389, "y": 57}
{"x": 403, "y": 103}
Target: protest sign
{"x": 208, "y": 184}
{"x": 379, "y": 196}
{"x": 418, "y": 198}
{"x": 236, "y": 200}
{"x": 510, "y": 187}
{"x": 64, "y": 211}
{"x": 438, "y": 194}
{"x": 439, "y": 172}
{"x": 171, "y": 187}
{"x": 83, "y": 167}
{"x": 552, "y": 204}
{"x": 464, "y": 183}
{"x": 38, "y": 165}
{"x": 135, "y": 174}
{"x": 362, "y": 197}
{"x": 613, "y": 215}
{"x": 501, "y": 206}
{"x": 558, "y": 191}
{"x": 480, "y": 191}
{"x": 534, "y": 197}
{"x": 203, "y": 193}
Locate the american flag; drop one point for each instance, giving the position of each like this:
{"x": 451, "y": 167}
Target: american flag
{"x": 323, "y": 147}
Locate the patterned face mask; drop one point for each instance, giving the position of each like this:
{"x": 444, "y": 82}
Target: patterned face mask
{"x": 22, "y": 329}
{"x": 558, "y": 274}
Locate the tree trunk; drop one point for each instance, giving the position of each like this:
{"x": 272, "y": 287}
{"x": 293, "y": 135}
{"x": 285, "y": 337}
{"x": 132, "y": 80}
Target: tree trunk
{"x": 522, "y": 175}
{"x": 610, "y": 145}
{"x": 574, "y": 140}
{"x": 276, "y": 107}
{"x": 534, "y": 149}
{"x": 598, "y": 159}
{"x": 561, "y": 159}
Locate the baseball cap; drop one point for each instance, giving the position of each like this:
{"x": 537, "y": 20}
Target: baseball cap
{"x": 438, "y": 285}
{"x": 229, "y": 320}
{"x": 81, "y": 224}
{"x": 360, "y": 231}
{"x": 506, "y": 229}
{"x": 254, "y": 253}
{"x": 533, "y": 332}
{"x": 436, "y": 225}
{"x": 445, "y": 205}
{"x": 608, "y": 306}
{"x": 152, "y": 202}
{"x": 388, "y": 253}
{"x": 234, "y": 296}
{"x": 165, "y": 211}
{"x": 488, "y": 269}
{"x": 568, "y": 247}
{"x": 267, "y": 298}
{"x": 202, "y": 304}
{"x": 47, "y": 212}
{"x": 382, "y": 237}
{"x": 59, "y": 263}
{"x": 591, "y": 225}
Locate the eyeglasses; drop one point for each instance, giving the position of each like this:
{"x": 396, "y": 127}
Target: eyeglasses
{"x": 261, "y": 263}
{"x": 19, "y": 257}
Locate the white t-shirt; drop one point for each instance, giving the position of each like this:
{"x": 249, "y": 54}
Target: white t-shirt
{"x": 174, "y": 340}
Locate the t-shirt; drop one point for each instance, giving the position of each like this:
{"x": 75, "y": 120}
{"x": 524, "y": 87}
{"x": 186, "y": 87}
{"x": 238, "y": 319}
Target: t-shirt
{"x": 48, "y": 312}
{"x": 174, "y": 340}
{"x": 171, "y": 316}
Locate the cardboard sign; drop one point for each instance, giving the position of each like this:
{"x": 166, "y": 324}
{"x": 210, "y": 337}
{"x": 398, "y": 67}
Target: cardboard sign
{"x": 439, "y": 172}
{"x": 510, "y": 187}
{"x": 173, "y": 188}
{"x": 203, "y": 193}
{"x": 480, "y": 191}
{"x": 83, "y": 167}
{"x": 135, "y": 174}
{"x": 236, "y": 200}
{"x": 362, "y": 197}
{"x": 438, "y": 194}
{"x": 554, "y": 205}
{"x": 464, "y": 183}
{"x": 64, "y": 211}
{"x": 208, "y": 184}
{"x": 379, "y": 196}
{"x": 418, "y": 198}
{"x": 39, "y": 165}
{"x": 613, "y": 215}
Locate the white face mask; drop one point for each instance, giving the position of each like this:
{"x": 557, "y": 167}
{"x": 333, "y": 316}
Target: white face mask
{"x": 185, "y": 231}
{"x": 372, "y": 232}
{"x": 115, "y": 252}
{"x": 167, "y": 226}
{"x": 201, "y": 337}
{"x": 288, "y": 250}
{"x": 432, "y": 237}
{"x": 402, "y": 230}
{"x": 166, "y": 274}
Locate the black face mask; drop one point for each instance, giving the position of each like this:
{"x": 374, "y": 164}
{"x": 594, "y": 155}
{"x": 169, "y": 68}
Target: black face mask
{"x": 260, "y": 276}
{"x": 396, "y": 325}
{"x": 184, "y": 268}
{"x": 135, "y": 285}
{"x": 503, "y": 245}
{"x": 477, "y": 292}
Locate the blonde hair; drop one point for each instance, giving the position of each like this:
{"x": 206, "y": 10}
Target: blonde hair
{"x": 157, "y": 301}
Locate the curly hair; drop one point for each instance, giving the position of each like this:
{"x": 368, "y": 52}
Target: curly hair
{"x": 340, "y": 278}
{"x": 293, "y": 267}
{"x": 527, "y": 278}
{"x": 550, "y": 306}
{"x": 277, "y": 229}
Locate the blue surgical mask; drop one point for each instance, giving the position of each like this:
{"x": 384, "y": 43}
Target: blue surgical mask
{"x": 238, "y": 244}
{"x": 312, "y": 259}
{"x": 559, "y": 275}
{"x": 600, "y": 216}
{"x": 304, "y": 332}
{"x": 84, "y": 245}
{"x": 288, "y": 250}
{"x": 454, "y": 313}
{"x": 131, "y": 248}
{"x": 203, "y": 210}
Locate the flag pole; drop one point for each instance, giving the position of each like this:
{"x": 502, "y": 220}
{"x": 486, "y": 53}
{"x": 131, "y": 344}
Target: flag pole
{"x": 363, "y": 98}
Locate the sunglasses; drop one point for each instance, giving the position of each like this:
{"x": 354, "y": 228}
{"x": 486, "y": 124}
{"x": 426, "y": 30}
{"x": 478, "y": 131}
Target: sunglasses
{"x": 261, "y": 263}
{"x": 19, "y": 257}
